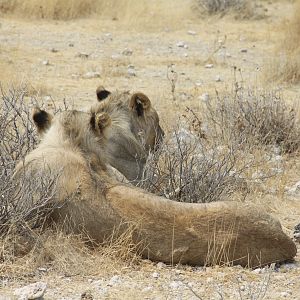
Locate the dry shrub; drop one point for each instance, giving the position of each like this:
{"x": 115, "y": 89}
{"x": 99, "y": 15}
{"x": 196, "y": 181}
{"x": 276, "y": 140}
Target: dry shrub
{"x": 242, "y": 8}
{"x": 256, "y": 117}
{"x": 247, "y": 130}
{"x": 284, "y": 67}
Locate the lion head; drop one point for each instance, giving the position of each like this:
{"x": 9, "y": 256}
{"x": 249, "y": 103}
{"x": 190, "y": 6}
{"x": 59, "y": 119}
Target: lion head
{"x": 135, "y": 130}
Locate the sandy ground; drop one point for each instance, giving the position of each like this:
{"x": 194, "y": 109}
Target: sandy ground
{"x": 68, "y": 60}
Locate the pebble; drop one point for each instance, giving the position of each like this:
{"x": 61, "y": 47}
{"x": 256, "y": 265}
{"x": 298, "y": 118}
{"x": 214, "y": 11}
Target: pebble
{"x": 209, "y": 66}
{"x": 155, "y": 275}
{"x": 204, "y": 97}
{"x": 244, "y": 50}
{"x": 82, "y": 55}
{"x": 161, "y": 265}
{"x": 31, "y": 291}
{"x": 127, "y": 52}
{"x": 182, "y": 45}
{"x": 218, "y": 78}
{"x": 90, "y": 75}
{"x": 192, "y": 32}
{"x": 131, "y": 72}
{"x": 45, "y": 62}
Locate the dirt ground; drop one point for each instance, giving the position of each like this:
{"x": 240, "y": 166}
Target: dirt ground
{"x": 67, "y": 60}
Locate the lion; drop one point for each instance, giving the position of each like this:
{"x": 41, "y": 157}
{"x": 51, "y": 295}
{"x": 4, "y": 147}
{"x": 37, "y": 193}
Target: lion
{"x": 135, "y": 130}
{"x": 85, "y": 196}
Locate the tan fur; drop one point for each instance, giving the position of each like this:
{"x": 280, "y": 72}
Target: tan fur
{"x": 167, "y": 231}
{"x": 132, "y": 135}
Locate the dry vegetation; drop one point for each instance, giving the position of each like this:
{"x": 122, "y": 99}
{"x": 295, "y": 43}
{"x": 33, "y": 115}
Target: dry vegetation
{"x": 244, "y": 8}
{"x": 285, "y": 66}
{"x": 225, "y": 152}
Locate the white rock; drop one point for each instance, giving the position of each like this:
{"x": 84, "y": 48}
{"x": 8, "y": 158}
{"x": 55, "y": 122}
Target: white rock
{"x": 192, "y": 32}
{"x": 31, "y": 291}
{"x": 127, "y": 52}
{"x": 90, "y": 75}
{"x": 204, "y": 97}
{"x": 161, "y": 265}
{"x": 155, "y": 275}
{"x": 45, "y": 62}
{"x": 209, "y": 66}
{"x": 218, "y": 78}
{"x": 257, "y": 271}
{"x": 182, "y": 45}
{"x": 131, "y": 72}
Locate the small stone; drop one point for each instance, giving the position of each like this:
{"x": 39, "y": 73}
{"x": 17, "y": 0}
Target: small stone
{"x": 82, "y": 55}
{"x": 204, "y": 97}
{"x": 209, "y": 66}
{"x": 71, "y": 45}
{"x": 244, "y": 50}
{"x": 228, "y": 54}
{"x": 31, "y": 291}
{"x": 257, "y": 271}
{"x": 178, "y": 272}
{"x": 161, "y": 265}
{"x": 218, "y": 78}
{"x": 46, "y": 99}
{"x": 45, "y": 62}
{"x": 155, "y": 275}
{"x": 182, "y": 45}
{"x": 242, "y": 288}
{"x": 192, "y": 32}
{"x": 131, "y": 72}
{"x": 127, "y": 52}
{"x": 90, "y": 75}
{"x": 53, "y": 50}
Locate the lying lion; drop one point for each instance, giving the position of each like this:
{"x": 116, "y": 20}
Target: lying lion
{"x": 73, "y": 149}
{"x": 135, "y": 130}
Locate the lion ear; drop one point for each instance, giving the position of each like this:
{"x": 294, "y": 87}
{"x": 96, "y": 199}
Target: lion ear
{"x": 100, "y": 121}
{"x": 41, "y": 119}
{"x": 140, "y": 103}
{"x": 102, "y": 93}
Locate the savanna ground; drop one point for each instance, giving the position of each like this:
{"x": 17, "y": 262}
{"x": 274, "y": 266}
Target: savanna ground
{"x": 152, "y": 47}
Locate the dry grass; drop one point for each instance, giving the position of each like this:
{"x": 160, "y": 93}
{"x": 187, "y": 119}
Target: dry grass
{"x": 240, "y": 8}
{"x": 131, "y": 12}
{"x": 284, "y": 67}
{"x": 246, "y": 131}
